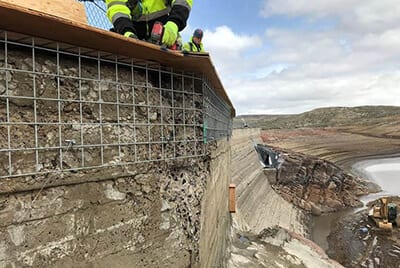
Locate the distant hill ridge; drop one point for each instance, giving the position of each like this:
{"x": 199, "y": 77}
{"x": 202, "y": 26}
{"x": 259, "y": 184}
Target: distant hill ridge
{"x": 325, "y": 117}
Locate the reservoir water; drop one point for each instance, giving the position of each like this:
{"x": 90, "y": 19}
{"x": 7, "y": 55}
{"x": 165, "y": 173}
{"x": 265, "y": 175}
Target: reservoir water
{"x": 384, "y": 172}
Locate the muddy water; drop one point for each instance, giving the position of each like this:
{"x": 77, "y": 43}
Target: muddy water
{"x": 322, "y": 226}
{"x": 384, "y": 172}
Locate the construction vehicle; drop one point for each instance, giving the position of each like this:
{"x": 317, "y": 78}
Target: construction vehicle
{"x": 384, "y": 214}
{"x": 157, "y": 34}
{"x": 245, "y": 125}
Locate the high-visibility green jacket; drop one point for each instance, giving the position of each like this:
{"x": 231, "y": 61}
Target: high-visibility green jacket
{"x": 192, "y": 47}
{"x": 145, "y": 11}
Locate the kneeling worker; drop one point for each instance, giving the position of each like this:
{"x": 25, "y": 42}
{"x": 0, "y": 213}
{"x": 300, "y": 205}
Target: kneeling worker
{"x": 195, "y": 44}
{"x": 135, "y": 18}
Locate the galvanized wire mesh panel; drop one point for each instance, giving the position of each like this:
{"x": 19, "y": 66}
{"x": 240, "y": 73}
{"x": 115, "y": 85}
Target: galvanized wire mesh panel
{"x": 217, "y": 118}
{"x": 217, "y": 115}
{"x": 96, "y": 14}
{"x": 66, "y": 108}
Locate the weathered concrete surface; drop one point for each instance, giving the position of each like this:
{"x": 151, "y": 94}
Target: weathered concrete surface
{"x": 175, "y": 215}
{"x": 138, "y": 215}
{"x": 92, "y": 112}
{"x": 215, "y": 217}
{"x": 260, "y": 206}
{"x": 147, "y": 220}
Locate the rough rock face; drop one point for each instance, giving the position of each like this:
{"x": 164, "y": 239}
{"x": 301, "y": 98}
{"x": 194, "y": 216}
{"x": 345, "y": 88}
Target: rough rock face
{"x": 316, "y": 185}
{"x": 277, "y": 247}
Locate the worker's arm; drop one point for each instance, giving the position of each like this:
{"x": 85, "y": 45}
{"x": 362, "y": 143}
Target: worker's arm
{"x": 186, "y": 47}
{"x": 120, "y": 16}
{"x": 178, "y": 16}
{"x": 180, "y": 12}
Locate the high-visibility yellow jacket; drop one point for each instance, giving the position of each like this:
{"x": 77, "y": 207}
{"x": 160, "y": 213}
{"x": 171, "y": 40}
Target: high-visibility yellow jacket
{"x": 192, "y": 47}
{"x": 142, "y": 14}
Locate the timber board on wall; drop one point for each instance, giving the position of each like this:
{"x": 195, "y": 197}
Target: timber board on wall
{"x": 68, "y": 9}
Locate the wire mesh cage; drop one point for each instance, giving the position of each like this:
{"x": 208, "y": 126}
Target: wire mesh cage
{"x": 217, "y": 115}
{"x": 96, "y": 14}
{"x": 67, "y": 108}
{"x": 77, "y": 109}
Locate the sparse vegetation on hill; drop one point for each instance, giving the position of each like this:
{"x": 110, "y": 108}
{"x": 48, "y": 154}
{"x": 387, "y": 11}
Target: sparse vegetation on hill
{"x": 325, "y": 117}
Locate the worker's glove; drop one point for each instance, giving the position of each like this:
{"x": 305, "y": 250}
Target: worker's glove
{"x": 170, "y": 33}
{"x": 131, "y": 35}
{"x": 179, "y": 42}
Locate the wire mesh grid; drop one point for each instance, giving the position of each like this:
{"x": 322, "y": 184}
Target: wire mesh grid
{"x": 96, "y": 14}
{"x": 217, "y": 119}
{"x": 66, "y": 108}
{"x": 217, "y": 115}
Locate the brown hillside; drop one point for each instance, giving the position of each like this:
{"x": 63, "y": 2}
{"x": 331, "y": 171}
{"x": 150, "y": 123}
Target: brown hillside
{"x": 342, "y": 135}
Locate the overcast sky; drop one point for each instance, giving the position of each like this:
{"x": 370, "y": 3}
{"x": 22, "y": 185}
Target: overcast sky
{"x": 291, "y": 56}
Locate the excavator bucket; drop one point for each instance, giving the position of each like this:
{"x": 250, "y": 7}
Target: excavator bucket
{"x": 385, "y": 225}
{"x": 377, "y": 212}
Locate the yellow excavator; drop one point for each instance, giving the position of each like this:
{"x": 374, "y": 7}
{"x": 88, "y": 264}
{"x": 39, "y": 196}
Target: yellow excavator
{"x": 384, "y": 214}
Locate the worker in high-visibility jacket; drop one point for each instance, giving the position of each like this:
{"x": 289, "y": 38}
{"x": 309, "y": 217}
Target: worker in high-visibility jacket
{"x": 135, "y": 18}
{"x": 195, "y": 44}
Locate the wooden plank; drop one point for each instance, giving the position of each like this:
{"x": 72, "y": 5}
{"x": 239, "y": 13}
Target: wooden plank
{"x": 232, "y": 198}
{"x": 195, "y": 54}
{"x": 68, "y": 9}
{"x": 33, "y": 23}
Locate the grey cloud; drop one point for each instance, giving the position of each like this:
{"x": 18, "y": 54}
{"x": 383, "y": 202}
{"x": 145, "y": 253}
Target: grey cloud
{"x": 356, "y": 63}
{"x": 288, "y": 96}
{"x": 354, "y": 15}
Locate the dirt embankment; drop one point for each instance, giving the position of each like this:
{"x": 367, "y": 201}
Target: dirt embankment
{"x": 342, "y": 146}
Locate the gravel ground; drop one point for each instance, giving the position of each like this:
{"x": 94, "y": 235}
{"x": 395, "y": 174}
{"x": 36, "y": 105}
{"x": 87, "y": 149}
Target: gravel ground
{"x": 352, "y": 247}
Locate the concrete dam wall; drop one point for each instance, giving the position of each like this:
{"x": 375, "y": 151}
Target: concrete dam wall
{"x": 259, "y": 205}
{"x": 174, "y": 215}
{"x": 267, "y": 230}
{"x": 104, "y": 164}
